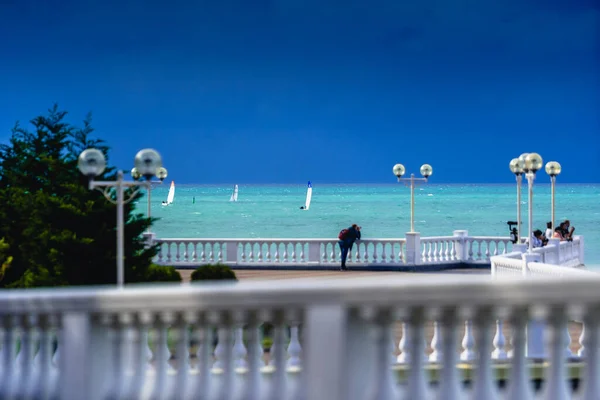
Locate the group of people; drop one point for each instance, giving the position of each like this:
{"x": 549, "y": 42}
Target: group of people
{"x": 563, "y": 232}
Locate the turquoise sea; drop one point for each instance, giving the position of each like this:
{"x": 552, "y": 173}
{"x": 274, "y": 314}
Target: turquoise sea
{"x": 383, "y": 210}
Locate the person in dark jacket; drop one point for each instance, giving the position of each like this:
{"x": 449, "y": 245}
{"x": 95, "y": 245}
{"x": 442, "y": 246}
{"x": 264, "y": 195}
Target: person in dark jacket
{"x": 352, "y": 235}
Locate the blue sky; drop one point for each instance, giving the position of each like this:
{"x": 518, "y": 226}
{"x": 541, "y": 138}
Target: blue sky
{"x": 283, "y": 91}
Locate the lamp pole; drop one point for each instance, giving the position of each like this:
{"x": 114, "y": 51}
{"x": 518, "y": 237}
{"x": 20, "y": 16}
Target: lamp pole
{"x": 148, "y": 163}
{"x": 516, "y": 168}
{"x": 553, "y": 169}
{"x": 399, "y": 171}
{"x": 531, "y": 162}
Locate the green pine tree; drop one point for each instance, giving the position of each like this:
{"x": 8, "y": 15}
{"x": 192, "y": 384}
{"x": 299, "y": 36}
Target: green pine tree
{"x": 59, "y": 232}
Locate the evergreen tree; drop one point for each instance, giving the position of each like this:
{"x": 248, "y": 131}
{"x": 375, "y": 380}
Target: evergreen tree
{"x": 59, "y": 232}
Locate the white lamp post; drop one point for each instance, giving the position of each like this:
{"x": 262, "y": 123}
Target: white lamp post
{"x": 399, "y": 171}
{"x": 147, "y": 163}
{"x": 516, "y": 168}
{"x": 553, "y": 169}
{"x": 161, "y": 174}
{"x": 532, "y": 163}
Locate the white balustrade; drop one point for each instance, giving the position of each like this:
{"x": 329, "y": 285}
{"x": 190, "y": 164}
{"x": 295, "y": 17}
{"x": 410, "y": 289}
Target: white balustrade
{"x": 97, "y": 327}
{"x": 456, "y": 250}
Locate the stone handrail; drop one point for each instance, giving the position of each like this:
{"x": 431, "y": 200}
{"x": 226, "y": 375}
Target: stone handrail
{"x": 556, "y": 258}
{"x": 341, "y": 335}
{"x": 367, "y": 253}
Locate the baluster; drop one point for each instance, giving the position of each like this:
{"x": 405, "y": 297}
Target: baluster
{"x": 279, "y": 357}
{"x": 302, "y": 255}
{"x": 357, "y": 254}
{"x": 294, "y": 348}
{"x": 220, "y": 253}
{"x": 496, "y": 246}
{"x": 163, "y": 354}
{"x": 42, "y": 375}
{"x": 519, "y": 386}
{"x": 293, "y": 255}
{"x": 365, "y": 253}
{"x": 449, "y": 385}
{"x": 204, "y": 335}
{"x": 404, "y": 346}
{"x": 385, "y": 384}
{"x": 8, "y": 355}
{"x": 142, "y": 354}
{"x": 332, "y": 257}
{"x": 183, "y": 351}
{"x": 194, "y": 252}
{"x": 243, "y": 252}
{"x": 375, "y": 256}
{"x": 555, "y": 381}
{"x": 484, "y": 386}
{"x": 444, "y": 251}
{"x": 211, "y": 253}
{"x": 468, "y": 343}
{"x": 203, "y": 253}
{"x": 470, "y": 244}
{"x": 499, "y": 342}
{"x": 591, "y": 381}
{"x": 453, "y": 251}
{"x": 24, "y": 360}
{"x": 224, "y": 357}
{"x": 417, "y": 386}
{"x": 401, "y": 254}
{"x": 259, "y": 255}
{"x": 268, "y": 253}
{"x": 436, "y": 345}
{"x": 186, "y": 246}
{"x": 487, "y": 250}
{"x": 255, "y": 361}
{"x": 276, "y": 256}
{"x": 116, "y": 327}
{"x": 447, "y": 245}
{"x": 390, "y": 253}
{"x": 239, "y": 350}
{"x": 169, "y": 255}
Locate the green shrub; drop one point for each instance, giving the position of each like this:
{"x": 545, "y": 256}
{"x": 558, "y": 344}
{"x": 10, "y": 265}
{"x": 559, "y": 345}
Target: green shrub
{"x": 211, "y": 272}
{"x": 162, "y": 273}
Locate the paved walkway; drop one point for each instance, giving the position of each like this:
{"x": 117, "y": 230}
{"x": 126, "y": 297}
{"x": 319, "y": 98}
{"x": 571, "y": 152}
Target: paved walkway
{"x": 244, "y": 274}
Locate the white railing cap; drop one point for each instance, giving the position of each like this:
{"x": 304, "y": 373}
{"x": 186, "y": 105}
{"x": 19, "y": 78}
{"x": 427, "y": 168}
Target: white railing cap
{"x": 404, "y": 290}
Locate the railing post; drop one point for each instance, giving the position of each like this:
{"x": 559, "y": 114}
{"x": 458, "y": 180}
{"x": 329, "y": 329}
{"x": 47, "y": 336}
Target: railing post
{"x": 581, "y": 252}
{"x": 232, "y": 253}
{"x": 314, "y": 252}
{"x": 413, "y": 248}
{"x": 148, "y": 239}
{"x": 462, "y": 250}
{"x": 337, "y": 342}
{"x": 80, "y": 371}
{"x": 555, "y": 253}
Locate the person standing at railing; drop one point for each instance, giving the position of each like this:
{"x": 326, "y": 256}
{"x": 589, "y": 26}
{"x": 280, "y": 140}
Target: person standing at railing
{"x": 347, "y": 238}
{"x": 538, "y": 239}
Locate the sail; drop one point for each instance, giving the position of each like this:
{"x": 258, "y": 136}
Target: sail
{"x": 308, "y": 196}
{"x": 171, "y": 195}
{"x": 234, "y": 195}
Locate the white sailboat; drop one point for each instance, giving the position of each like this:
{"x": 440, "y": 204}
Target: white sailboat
{"x": 234, "y": 195}
{"x": 171, "y": 195}
{"x": 308, "y": 197}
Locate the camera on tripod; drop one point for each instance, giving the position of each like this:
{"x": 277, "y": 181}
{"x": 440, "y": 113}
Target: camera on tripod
{"x": 513, "y": 232}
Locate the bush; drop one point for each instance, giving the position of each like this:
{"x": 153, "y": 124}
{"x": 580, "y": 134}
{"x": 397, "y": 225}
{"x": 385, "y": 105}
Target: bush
{"x": 162, "y": 273}
{"x": 213, "y": 272}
